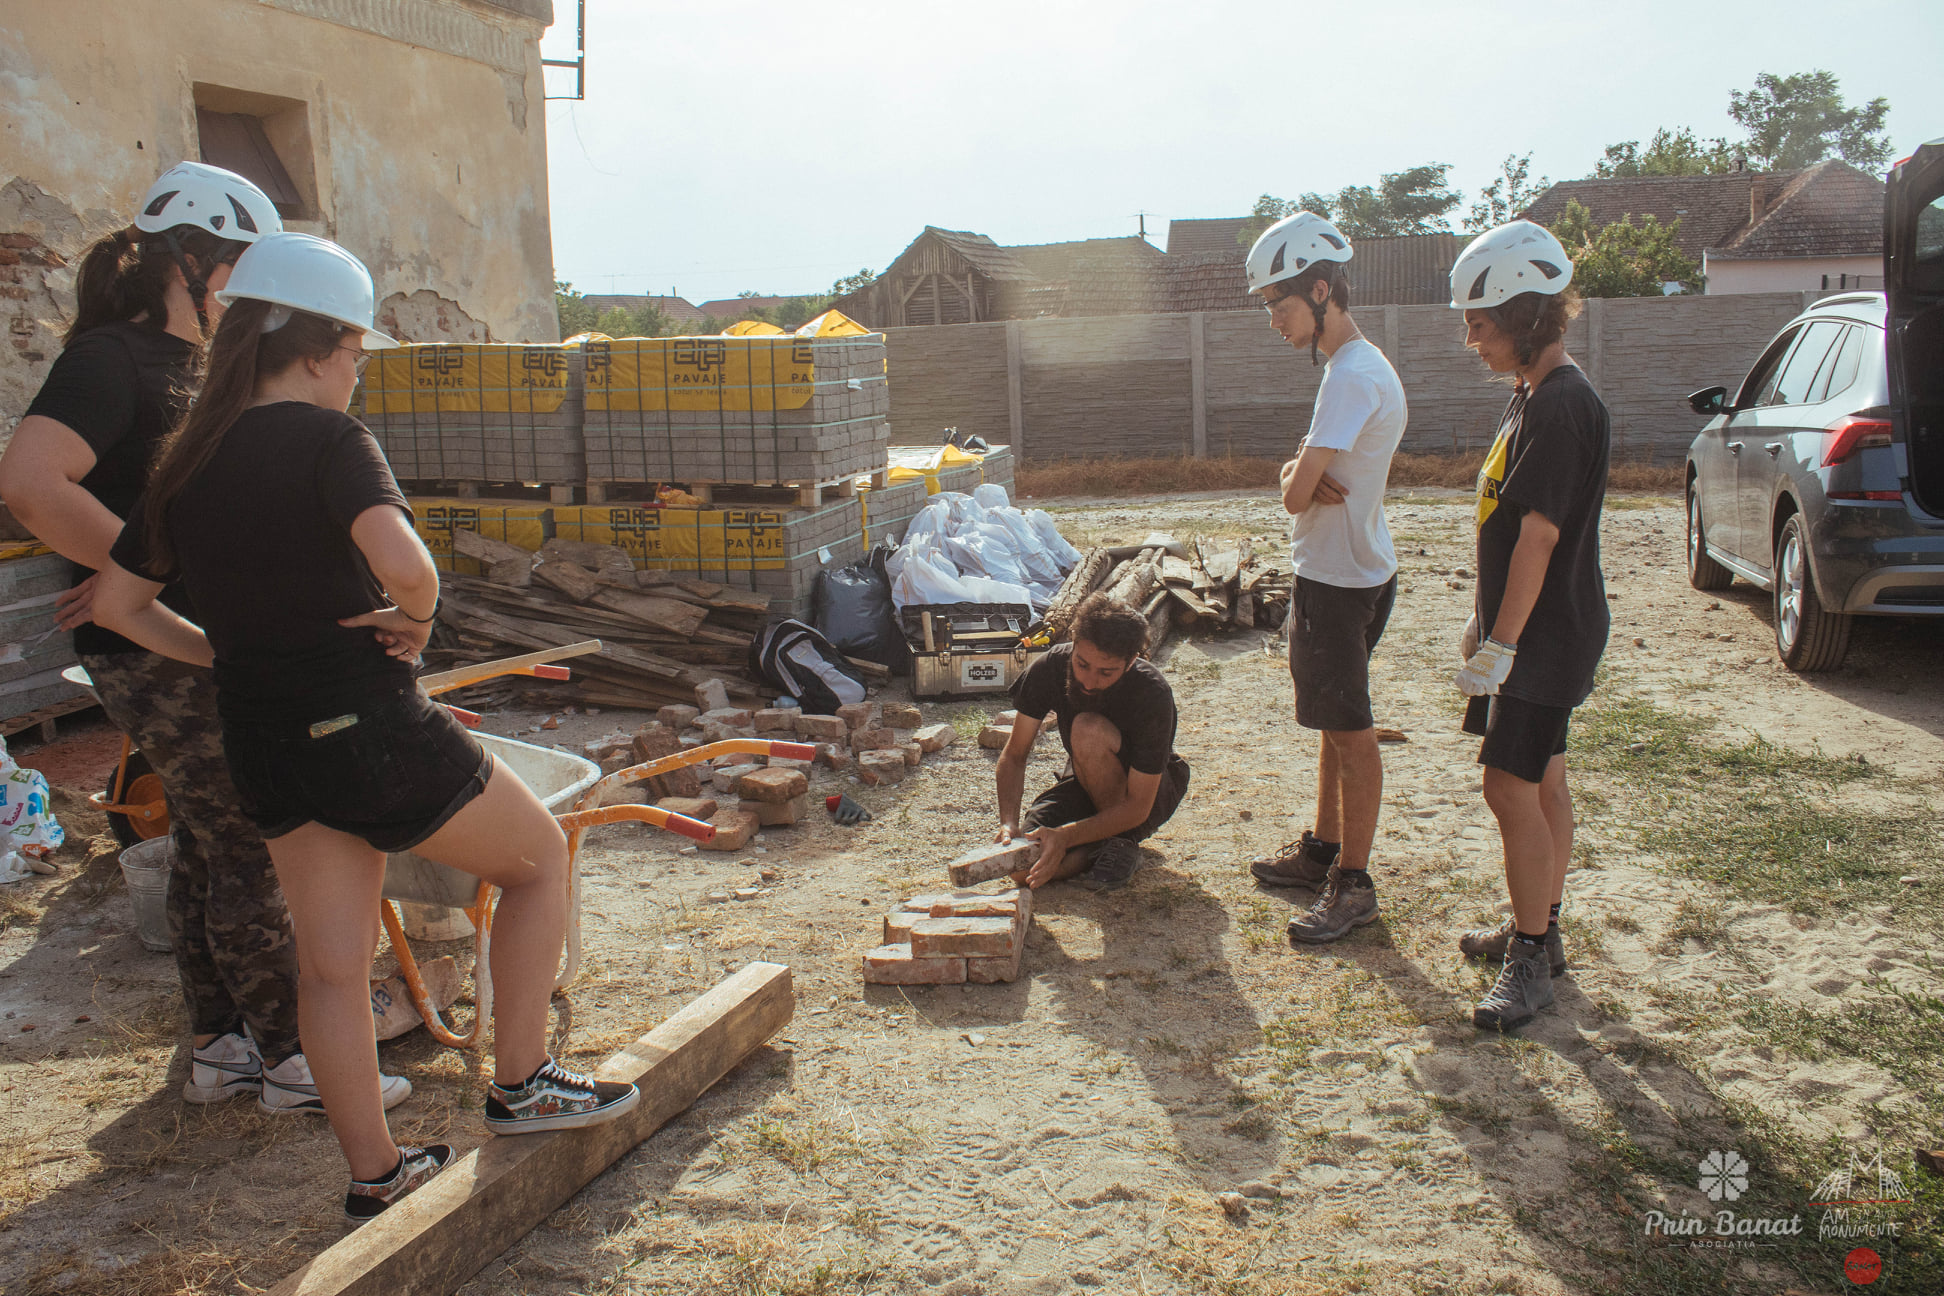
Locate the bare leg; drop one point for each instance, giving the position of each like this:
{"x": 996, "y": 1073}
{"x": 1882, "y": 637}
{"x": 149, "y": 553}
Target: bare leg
{"x": 1329, "y": 790}
{"x": 331, "y": 882}
{"x": 1359, "y": 767}
{"x": 1557, "y": 803}
{"x": 1096, "y": 763}
{"x": 1529, "y": 844}
{"x": 506, "y": 837}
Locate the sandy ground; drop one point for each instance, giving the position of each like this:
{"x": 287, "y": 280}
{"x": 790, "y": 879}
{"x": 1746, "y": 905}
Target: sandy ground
{"x": 1070, "y": 1132}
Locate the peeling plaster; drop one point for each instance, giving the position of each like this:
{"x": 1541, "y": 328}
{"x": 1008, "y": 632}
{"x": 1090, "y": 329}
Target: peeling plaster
{"x": 424, "y": 316}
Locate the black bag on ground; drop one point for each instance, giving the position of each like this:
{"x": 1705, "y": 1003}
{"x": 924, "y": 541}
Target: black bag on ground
{"x": 855, "y": 612}
{"x": 794, "y": 658}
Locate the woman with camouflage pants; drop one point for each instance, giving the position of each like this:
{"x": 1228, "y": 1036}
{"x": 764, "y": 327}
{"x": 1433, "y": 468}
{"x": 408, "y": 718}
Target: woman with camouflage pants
{"x": 75, "y": 466}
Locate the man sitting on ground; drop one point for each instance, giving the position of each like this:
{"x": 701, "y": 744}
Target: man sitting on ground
{"x": 1117, "y": 722}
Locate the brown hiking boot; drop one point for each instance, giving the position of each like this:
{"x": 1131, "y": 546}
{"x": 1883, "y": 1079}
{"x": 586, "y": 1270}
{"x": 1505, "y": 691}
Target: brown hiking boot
{"x": 1490, "y": 942}
{"x": 1297, "y": 863}
{"x": 1348, "y": 900}
{"x": 1523, "y": 988}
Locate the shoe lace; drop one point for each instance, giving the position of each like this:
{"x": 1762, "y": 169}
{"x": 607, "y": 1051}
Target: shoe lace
{"x": 560, "y": 1075}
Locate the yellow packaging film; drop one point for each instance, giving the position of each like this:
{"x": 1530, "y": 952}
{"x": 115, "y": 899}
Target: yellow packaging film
{"x": 435, "y": 520}
{"x": 909, "y": 463}
{"x": 700, "y": 373}
{"x": 681, "y": 539}
{"x": 452, "y": 378}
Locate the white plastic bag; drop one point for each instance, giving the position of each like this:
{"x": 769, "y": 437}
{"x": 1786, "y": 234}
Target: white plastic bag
{"x": 992, "y": 495}
{"x": 1063, "y": 553}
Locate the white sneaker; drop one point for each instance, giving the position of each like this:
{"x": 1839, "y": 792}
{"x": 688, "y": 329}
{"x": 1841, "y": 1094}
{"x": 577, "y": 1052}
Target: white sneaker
{"x": 230, "y": 1065}
{"x": 288, "y": 1087}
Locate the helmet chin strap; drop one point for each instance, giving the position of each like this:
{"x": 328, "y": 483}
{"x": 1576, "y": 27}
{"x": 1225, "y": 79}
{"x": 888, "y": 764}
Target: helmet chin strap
{"x": 1319, "y": 309}
{"x": 192, "y": 279}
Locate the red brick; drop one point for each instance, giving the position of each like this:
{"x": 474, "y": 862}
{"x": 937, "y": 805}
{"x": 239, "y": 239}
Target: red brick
{"x": 989, "y": 971}
{"x": 733, "y": 828}
{"x": 778, "y": 814}
{"x": 711, "y": 693}
{"x": 833, "y": 756}
{"x": 897, "y": 927}
{"x": 855, "y": 714}
{"x": 896, "y": 965}
{"x": 773, "y": 785}
{"x": 984, "y": 863}
{"x": 974, "y": 907}
{"x": 900, "y": 715}
{"x": 694, "y": 807}
{"x": 963, "y": 937}
{"x": 933, "y": 737}
{"x": 777, "y": 719}
{"x": 993, "y": 736}
{"x": 872, "y": 739}
{"x": 652, "y": 742}
{"x": 912, "y": 753}
{"x": 733, "y": 717}
{"x": 9, "y": 257}
{"x": 683, "y": 782}
{"x": 876, "y": 767}
{"x": 677, "y": 717}
{"x": 19, "y": 241}
{"x": 821, "y": 728}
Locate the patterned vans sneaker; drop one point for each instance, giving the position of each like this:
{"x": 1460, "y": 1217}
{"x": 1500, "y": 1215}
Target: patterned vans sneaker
{"x": 288, "y": 1087}
{"x": 555, "y": 1098}
{"x": 1490, "y": 942}
{"x": 367, "y": 1201}
{"x": 1294, "y": 864}
{"x": 228, "y": 1067}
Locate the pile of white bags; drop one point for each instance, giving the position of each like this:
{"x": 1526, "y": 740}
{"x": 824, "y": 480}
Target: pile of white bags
{"x": 978, "y": 548}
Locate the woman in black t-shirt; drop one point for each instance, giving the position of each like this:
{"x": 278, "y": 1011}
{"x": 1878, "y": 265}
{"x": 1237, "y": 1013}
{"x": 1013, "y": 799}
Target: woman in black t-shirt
{"x": 1541, "y": 619}
{"x": 75, "y": 466}
{"x": 314, "y": 597}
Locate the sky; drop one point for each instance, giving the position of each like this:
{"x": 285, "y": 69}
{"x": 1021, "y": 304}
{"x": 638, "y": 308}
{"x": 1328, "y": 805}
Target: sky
{"x": 775, "y": 148}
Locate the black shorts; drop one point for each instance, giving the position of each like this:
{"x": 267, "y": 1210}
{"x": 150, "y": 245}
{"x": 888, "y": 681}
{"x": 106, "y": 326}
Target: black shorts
{"x": 1067, "y": 802}
{"x": 393, "y": 776}
{"x": 1332, "y": 632}
{"x": 1521, "y": 737}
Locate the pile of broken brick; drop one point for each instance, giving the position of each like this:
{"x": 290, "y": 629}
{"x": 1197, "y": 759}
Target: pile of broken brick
{"x": 960, "y": 936}
{"x": 741, "y": 793}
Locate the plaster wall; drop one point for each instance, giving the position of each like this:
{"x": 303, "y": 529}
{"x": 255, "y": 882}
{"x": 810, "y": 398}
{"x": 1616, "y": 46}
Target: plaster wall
{"x": 1792, "y": 274}
{"x": 414, "y": 131}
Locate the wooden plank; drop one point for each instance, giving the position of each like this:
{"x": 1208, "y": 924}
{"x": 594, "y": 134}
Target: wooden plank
{"x": 430, "y": 1243}
{"x": 672, "y": 615}
{"x": 465, "y": 675}
{"x": 571, "y": 579}
{"x": 471, "y": 544}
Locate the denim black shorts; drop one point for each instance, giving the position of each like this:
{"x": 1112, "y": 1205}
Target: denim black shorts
{"x": 1067, "y": 802}
{"x": 393, "y": 772}
{"x": 1332, "y": 632}
{"x": 1521, "y": 737}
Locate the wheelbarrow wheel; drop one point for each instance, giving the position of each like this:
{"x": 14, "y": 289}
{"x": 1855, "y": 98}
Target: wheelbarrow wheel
{"x": 140, "y": 786}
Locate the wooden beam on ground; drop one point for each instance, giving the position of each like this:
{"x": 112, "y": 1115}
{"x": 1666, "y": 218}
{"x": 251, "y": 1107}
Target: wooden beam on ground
{"x": 430, "y": 1243}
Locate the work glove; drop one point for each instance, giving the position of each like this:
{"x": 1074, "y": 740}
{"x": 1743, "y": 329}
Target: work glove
{"x": 846, "y": 811}
{"x": 1486, "y": 669}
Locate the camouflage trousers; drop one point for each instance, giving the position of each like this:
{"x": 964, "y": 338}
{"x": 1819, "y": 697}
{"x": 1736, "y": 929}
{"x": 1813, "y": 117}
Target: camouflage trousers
{"x": 233, "y": 944}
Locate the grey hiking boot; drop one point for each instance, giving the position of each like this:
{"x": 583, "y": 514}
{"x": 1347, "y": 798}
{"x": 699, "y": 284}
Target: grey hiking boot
{"x": 1524, "y": 987}
{"x": 1295, "y": 863}
{"x": 1348, "y": 900}
{"x": 1113, "y": 864}
{"x": 1490, "y": 942}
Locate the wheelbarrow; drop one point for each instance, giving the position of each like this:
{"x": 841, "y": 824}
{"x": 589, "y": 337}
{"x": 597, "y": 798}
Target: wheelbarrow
{"x": 133, "y": 800}
{"x": 573, "y": 790}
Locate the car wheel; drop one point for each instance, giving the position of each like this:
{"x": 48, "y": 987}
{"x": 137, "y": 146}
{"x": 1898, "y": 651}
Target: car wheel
{"x": 1808, "y": 637}
{"x": 1704, "y": 573}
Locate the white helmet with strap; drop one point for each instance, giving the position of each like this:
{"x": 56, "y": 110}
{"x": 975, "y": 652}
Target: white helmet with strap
{"x": 208, "y": 198}
{"x": 301, "y": 272}
{"x": 1291, "y": 246}
{"x": 1518, "y": 257}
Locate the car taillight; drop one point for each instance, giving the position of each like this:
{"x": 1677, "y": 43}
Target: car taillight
{"x": 1849, "y": 434}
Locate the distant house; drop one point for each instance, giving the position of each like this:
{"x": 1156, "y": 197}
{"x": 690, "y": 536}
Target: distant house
{"x": 1777, "y": 231}
{"x": 1221, "y": 235}
{"x": 729, "y": 308}
{"x": 679, "y": 309}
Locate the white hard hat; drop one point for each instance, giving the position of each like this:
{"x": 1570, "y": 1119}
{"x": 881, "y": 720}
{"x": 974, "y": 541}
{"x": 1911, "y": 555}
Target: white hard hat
{"x": 208, "y": 198}
{"x": 1501, "y": 263}
{"x": 1291, "y": 246}
{"x": 311, "y": 274}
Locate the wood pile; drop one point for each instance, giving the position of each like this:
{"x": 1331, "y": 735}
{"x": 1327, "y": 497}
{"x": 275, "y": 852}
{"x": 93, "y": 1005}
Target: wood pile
{"x": 1174, "y": 584}
{"x": 661, "y": 635}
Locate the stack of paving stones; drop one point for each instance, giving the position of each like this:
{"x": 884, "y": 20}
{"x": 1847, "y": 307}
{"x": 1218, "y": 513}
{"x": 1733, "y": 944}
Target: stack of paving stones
{"x": 953, "y": 938}
{"x": 740, "y": 793}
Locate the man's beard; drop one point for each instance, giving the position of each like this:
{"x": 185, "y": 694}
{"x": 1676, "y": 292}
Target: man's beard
{"x": 1081, "y": 697}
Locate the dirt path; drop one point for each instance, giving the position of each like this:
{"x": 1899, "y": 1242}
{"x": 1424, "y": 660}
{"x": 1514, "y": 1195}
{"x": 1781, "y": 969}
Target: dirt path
{"x": 1070, "y": 1132}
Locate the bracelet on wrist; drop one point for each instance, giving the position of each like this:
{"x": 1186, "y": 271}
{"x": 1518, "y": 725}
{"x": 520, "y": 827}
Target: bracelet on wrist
{"x": 427, "y": 619}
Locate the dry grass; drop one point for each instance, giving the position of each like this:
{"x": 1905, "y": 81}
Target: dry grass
{"x": 1109, "y": 478}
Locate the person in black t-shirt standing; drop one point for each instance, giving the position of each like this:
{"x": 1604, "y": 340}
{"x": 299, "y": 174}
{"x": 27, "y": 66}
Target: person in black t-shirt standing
{"x": 279, "y": 514}
{"x": 1541, "y": 600}
{"x": 75, "y": 466}
{"x": 1117, "y": 724}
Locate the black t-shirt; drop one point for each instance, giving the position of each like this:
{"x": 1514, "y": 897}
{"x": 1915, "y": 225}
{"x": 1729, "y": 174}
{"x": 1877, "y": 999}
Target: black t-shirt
{"x": 117, "y": 387}
{"x": 1550, "y": 458}
{"x": 1140, "y": 704}
{"x": 263, "y": 542}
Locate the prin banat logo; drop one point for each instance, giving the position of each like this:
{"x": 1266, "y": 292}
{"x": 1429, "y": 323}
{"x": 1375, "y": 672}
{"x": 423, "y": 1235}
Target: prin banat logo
{"x": 1723, "y": 1176}
{"x": 1855, "y": 1202}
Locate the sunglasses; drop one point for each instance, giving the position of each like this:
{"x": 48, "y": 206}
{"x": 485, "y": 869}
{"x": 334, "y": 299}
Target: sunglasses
{"x": 364, "y": 357}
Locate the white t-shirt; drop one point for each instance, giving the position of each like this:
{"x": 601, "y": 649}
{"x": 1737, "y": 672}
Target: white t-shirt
{"x": 1359, "y": 414}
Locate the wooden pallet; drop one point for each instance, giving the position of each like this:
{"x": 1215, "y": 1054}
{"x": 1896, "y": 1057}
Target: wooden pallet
{"x": 798, "y": 494}
{"x": 44, "y": 717}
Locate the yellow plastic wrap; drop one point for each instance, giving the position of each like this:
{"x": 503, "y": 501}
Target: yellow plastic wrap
{"x": 455, "y": 378}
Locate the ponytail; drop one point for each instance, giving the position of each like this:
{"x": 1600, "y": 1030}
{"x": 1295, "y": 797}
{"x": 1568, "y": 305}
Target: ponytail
{"x": 126, "y": 274}
{"x": 231, "y": 363}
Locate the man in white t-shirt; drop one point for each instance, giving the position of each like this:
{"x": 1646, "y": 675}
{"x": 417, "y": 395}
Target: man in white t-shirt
{"x": 1346, "y": 568}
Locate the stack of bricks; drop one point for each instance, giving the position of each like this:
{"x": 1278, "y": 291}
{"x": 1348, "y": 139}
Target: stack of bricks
{"x": 478, "y": 412}
{"x": 888, "y": 742}
{"x": 953, "y": 938}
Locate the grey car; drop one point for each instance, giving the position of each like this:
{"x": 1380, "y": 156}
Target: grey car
{"x": 1820, "y": 478}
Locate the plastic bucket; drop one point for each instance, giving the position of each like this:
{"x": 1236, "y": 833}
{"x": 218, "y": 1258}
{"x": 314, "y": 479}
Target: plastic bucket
{"x": 146, "y": 867}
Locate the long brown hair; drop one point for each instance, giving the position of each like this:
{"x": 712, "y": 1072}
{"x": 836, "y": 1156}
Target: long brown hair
{"x": 231, "y": 362}
{"x": 1534, "y": 321}
{"x": 126, "y": 274}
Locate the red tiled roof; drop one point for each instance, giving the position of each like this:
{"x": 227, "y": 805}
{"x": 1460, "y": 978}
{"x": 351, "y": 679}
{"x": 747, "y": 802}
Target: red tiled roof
{"x": 731, "y": 307}
{"x": 1829, "y": 210}
{"x": 1110, "y": 276}
{"x": 1405, "y": 270}
{"x": 1199, "y": 237}
{"x": 676, "y": 308}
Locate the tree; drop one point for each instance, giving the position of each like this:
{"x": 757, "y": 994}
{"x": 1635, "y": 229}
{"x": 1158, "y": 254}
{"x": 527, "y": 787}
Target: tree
{"x": 572, "y": 309}
{"x": 1622, "y": 259}
{"x": 1511, "y": 193}
{"x": 1669, "y": 153}
{"x": 1413, "y": 201}
{"x": 1268, "y": 210}
{"x": 851, "y": 283}
{"x": 1797, "y": 121}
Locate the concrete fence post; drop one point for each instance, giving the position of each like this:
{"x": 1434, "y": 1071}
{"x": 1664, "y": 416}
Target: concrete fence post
{"x": 1390, "y": 337}
{"x": 1015, "y": 389}
{"x": 1595, "y": 340}
{"x": 1198, "y": 380}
